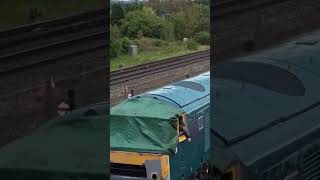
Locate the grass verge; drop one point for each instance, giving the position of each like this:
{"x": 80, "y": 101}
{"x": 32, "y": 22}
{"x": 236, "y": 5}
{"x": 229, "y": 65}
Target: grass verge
{"x": 171, "y": 50}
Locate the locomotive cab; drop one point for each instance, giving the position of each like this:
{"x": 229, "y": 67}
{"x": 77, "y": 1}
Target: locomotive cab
{"x": 150, "y": 165}
{"x": 146, "y": 165}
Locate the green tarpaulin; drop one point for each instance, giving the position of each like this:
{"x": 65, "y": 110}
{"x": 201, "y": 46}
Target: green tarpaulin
{"x": 144, "y": 125}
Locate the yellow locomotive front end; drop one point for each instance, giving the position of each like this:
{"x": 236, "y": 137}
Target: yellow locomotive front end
{"x": 134, "y": 165}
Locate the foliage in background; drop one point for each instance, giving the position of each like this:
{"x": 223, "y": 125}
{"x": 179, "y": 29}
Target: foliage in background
{"x": 150, "y": 44}
{"x": 202, "y": 37}
{"x": 169, "y": 7}
{"x": 125, "y": 41}
{"x": 192, "y": 45}
{"x": 115, "y": 34}
{"x": 117, "y": 13}
{"x": 144, "y": 20}
{"x": 120, "y": 9}
{"x": 168, "y": 32}
{"x": 159, "y": 28}
{"x": 193, "y": 19}
{"x": 133, "y": 6}
{"x": 166, "y": 50}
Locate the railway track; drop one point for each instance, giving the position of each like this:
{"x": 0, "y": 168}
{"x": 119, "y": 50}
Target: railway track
{"x": 47, "y": 26}
{"x": 124, "y": 75}
{"x": 64, "y": 48}
{"x": 50, "y": 41}
{"x": 223, "y": 8}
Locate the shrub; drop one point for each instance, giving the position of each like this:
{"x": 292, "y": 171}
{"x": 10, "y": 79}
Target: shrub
{"x": 115, "y": 41}
{"x": 159, "y": 43}
{"x": 125, "y": 41}
{"x": 202, "y": 37}
{"x": 117, "y": 13}
{"x": 140, "y": 34}
{"x": 167, "y": 32}
{"x": 115, "y": 33}
{"x": 115, "y": 48}
{"x": 149, "y": 44}
{"x": 192, "y": 45}
{"x": 144, "y": 20}
{"x": 190, "y": 20}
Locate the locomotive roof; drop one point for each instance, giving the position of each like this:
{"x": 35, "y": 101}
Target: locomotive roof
{"x": 144, "y": 124}
{"x": 185, "y": 92}
{"x": 264, "y": 104}
{"x": 70, "y": 144}
{"x": 156, "y": 111}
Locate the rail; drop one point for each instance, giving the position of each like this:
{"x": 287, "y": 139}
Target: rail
{"x": 131, "y": 73}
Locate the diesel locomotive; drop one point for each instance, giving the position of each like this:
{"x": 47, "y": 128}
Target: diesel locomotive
{"x": 163, "y": 134}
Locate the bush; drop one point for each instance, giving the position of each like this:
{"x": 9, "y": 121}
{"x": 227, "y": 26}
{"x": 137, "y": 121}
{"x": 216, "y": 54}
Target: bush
{"x": 125, "y": 41}
{"x": 202, "y": 37}
{"x": 115, "y": 48}
{"x": 149, "y": 44}
{"x": 190, "y": 20}
{"x": 167, "y": 33}
{"x": 192, "y": 45}
{"x": 115, "y": 41}
{"x": 117, "y": 13}
{"x": 115, "y": 33}
{"x": 140, "y": 34}
{"x": 144, "y": 20}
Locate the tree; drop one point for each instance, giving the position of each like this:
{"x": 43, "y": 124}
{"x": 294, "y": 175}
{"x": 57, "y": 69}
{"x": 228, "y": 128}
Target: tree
{"x": 144, "y": 20}
{"x": 133, "y": 6}
{"x": 115, "y": 41}
{"x": 191, "y": 20}
{"x": 116, "y": 13}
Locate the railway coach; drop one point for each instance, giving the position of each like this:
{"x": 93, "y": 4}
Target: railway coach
{"x": 146, "y": 137}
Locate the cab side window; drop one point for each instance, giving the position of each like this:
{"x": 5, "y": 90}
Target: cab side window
{"x": 182, "y": 133}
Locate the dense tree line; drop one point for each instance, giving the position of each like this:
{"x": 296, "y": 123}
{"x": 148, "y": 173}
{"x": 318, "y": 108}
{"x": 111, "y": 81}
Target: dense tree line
{"x": 163, "y": 21}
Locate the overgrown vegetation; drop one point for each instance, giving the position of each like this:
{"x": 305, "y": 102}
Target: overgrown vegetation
{"x": 158, "y": 28}
{"x": 153, "y": 50}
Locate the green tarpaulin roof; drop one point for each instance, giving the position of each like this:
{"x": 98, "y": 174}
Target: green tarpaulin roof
{"x": 144, "y": 125}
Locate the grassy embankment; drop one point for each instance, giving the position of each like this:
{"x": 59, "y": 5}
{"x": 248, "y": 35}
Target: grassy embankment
{"x": 153, "y": 50}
